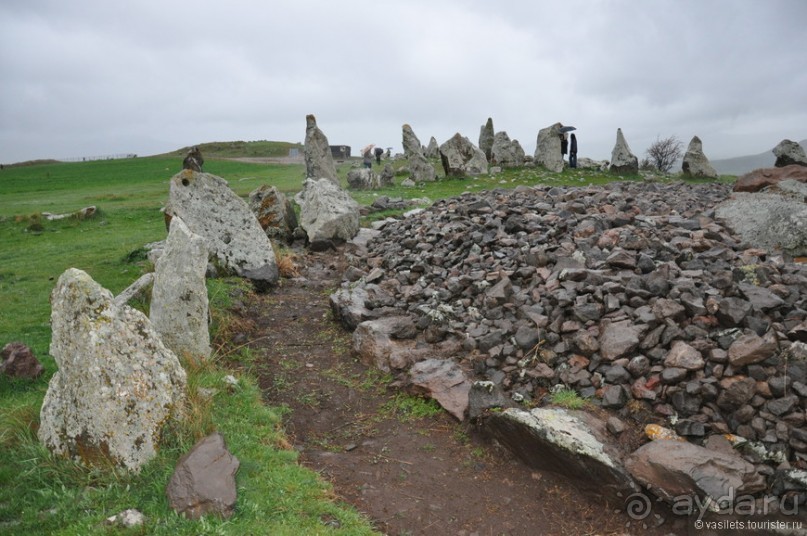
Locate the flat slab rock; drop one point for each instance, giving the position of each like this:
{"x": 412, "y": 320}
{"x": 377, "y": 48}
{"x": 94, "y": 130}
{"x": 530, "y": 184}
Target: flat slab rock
{"x": 677, "y": 468}
{"x": 569, "y": 443}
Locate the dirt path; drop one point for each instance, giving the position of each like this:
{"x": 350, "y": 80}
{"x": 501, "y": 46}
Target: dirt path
{"x": 430, "y": 475}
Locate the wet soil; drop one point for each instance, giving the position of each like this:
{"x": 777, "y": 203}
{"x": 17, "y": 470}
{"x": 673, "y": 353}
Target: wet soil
{"x": 410, "y": 475}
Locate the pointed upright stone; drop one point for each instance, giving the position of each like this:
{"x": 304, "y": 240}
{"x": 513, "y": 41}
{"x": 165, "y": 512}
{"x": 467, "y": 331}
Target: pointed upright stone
{"x": 695, "y": 162}
{"x": 486, "y": 138}
{"x": 419, "y": 168}
{"x": 179, "y": 305}
{"x": 623, "y": 161}
{"x": 319, "y": 162}
{"x": 432, "y": 149}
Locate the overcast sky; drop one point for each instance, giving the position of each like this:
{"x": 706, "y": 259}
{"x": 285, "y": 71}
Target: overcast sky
{"x": 98, "y": 77}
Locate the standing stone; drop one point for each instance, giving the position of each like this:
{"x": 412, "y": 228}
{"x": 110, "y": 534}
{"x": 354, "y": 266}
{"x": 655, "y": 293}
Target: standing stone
{"x": 387, "y": 177}
{"x": 411, "y": 143}
{"x": 179, "y": 306}
{"x": 274, "y": 211}
{"x": 547, "y": 148}
{"x": 461, "y": 158}
{"x": 506, "y": 153}
{"x": 204, "y": 480}
{"x": 319, "y": 162}
{"x": 623, "y": 162}
{"x": 432, "y": 149}
{"x": 695, "y": 162}
{"x": 18, "y": 361}
{"x": 327, "y": 212}
{"x": 789, "y": 153}
{"x": 363, "y": 179}
{"x": 231, "y": 231}
{"x": 420, "y": 170}
{"x": 117, "y": 383}
{"x": 486, "y": 139}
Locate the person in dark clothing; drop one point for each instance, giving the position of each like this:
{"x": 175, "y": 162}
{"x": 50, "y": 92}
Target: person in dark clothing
{"x": 564, "y": 144}
{"x": 573, "y": 152}
{"x": 378, "y": 152}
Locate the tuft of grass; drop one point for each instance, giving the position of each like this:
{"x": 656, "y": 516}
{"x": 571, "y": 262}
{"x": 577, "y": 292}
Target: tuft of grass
{"x": 408, "y": 408}
{"x": 568, "y": 398}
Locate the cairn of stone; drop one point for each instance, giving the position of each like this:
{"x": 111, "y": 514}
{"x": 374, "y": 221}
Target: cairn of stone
{"x": 634, "y": 295}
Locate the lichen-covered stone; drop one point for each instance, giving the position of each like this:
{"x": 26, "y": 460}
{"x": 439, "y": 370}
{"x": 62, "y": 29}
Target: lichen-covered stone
{"x": 179, "y": 305}
{"x": 327, "y": 212}
{"x": 117, "y": 383}
{"x": 231, "y": 231}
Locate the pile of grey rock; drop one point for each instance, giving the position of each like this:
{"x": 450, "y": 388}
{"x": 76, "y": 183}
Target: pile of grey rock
{"x": 633, "y": 294}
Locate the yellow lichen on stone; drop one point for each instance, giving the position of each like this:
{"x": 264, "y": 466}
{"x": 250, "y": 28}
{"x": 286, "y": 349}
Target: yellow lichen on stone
{"x": 654, "y": 432}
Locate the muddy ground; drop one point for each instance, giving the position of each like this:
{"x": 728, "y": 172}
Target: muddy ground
{"x": 410, "y": 476}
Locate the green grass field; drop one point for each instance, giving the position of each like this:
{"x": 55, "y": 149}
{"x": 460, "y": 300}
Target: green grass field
{"x": 40, "y": 494}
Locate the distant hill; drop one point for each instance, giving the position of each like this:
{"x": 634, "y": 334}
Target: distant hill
{"x": 743, "y": 164}
{"x": 242, "y": 149}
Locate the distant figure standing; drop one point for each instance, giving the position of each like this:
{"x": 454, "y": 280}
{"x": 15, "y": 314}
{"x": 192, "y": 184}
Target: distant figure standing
{"x": 194, "y": 160}
{"x": 378, "y": 152}
{"x": 564, "y": 145}
{"x": 573, "y": 152}
{"x": 368, "y": 160}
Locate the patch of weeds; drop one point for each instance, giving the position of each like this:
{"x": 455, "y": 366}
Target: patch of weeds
{"x": 428, "y": 447}
{"x": 289, "y": 364}
{"x": 568, "y": 398}
{"x": 245, "y": 356}
{"x": 375, "y": 381}
{"x": 281, "y": 382}
{"x": 136, "y": 255}
{"x": 461, "y": 435}
{"x": 312, "y": 400}
{"x": 408, "y": 408}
